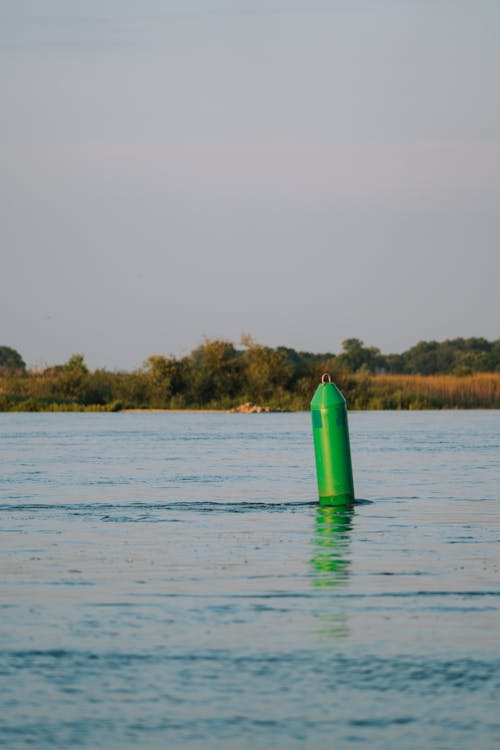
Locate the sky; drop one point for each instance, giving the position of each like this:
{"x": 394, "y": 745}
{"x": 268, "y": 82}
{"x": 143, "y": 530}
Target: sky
{"x": 305, "y": 171}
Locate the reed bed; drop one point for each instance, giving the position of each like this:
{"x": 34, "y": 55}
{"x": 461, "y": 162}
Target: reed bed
{"x": 475, "y": 391}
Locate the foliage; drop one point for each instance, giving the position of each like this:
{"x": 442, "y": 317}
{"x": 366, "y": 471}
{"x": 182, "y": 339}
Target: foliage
{"x": 356, "y": 356}
{"x": 454, "y": 356}
{"x": 457, "y": 373}
{"x": 11, "y": 361}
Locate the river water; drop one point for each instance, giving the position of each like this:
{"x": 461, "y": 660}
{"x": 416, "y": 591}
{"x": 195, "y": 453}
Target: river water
{"x": 168, "y": 581}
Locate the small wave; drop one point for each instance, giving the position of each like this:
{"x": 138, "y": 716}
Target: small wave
{"x": 366, "y": 670}
{"x": 242, "y": 506}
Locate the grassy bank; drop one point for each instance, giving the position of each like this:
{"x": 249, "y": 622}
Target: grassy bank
{"x": 455, "y": 374}
{"x": 111, "y": 392}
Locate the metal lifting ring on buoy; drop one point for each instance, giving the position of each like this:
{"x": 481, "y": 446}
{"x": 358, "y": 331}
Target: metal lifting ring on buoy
{"x": 324, "y": 376}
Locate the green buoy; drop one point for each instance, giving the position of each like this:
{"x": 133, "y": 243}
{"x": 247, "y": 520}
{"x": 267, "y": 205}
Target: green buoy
{"x": 331, "y": 445}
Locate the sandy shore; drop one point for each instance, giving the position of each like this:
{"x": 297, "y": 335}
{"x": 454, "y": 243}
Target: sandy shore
{"x": 174, "y": 411}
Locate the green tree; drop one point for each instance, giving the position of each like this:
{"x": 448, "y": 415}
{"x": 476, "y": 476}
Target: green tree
{"x": 391, "y": 363}
{"x": 165, "y": 379}
{"x": 98, "y": 387}
{"x": 267, "y": 372}
{"x": 10, "y": 360}
{"x": 421, "y": 358}
{"x": 215, "y": 372}
{"x": 76, "y": 363}
{"x": 72, "y": 378}
{"x": 356, "y": 355}
{"x": 458, "y": 355}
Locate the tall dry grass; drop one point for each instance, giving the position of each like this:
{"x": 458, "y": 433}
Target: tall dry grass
{"x": 479, "y": 390}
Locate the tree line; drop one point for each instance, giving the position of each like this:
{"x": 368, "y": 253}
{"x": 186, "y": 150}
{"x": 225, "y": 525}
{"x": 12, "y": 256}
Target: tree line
{"x": 219, "y": 375}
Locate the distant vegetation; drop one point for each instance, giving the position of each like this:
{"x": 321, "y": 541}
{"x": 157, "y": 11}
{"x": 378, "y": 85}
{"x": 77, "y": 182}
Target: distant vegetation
{"x": 458, "y": 373}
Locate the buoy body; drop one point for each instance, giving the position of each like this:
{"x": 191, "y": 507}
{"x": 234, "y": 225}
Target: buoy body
{"x": 331, "y": 445}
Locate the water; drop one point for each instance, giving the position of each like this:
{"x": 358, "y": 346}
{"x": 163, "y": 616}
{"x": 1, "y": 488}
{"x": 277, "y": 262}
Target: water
{"x": 167, "y": 581}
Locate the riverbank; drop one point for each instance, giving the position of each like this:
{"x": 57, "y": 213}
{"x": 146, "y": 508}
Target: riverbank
{"x": 132, "y": 392}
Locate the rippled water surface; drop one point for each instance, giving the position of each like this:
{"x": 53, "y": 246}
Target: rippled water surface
{"x": 168, "y": 581}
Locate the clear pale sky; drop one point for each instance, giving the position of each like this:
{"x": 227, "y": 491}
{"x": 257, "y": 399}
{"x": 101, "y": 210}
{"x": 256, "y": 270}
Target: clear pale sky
{"x": 303, "y": 170}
